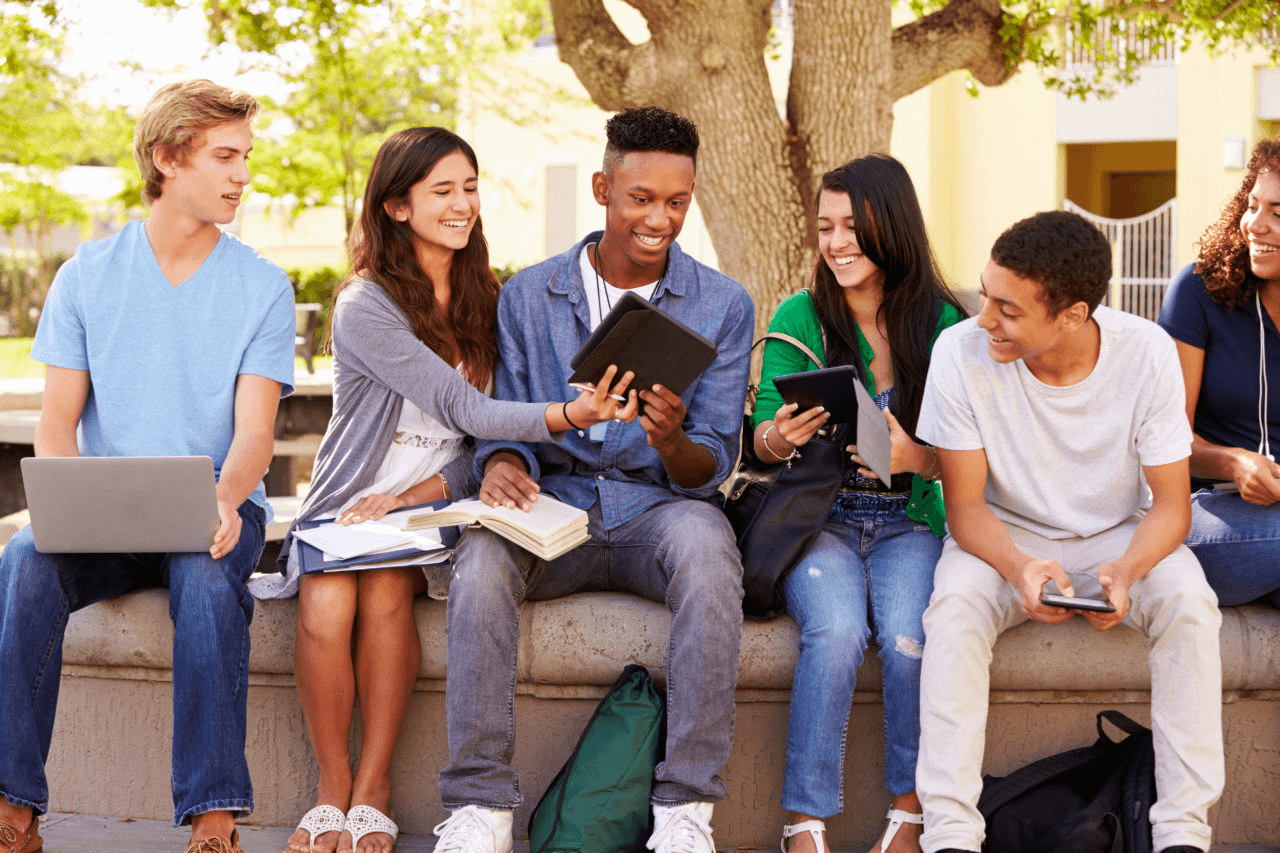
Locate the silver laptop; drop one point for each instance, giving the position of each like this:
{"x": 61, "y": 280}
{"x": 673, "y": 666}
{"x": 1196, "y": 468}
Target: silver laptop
{"x": 121, "y": 504}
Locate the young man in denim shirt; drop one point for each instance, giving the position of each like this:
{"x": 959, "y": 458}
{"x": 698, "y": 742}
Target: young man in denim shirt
{"x": 647, "y": 487}
{"x": 170, "y": 338}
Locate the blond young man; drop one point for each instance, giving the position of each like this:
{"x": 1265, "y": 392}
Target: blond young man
{"x": 170, "y": 338}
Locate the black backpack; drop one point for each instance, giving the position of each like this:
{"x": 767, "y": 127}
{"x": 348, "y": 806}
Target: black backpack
{"x": 1090, "y": 800}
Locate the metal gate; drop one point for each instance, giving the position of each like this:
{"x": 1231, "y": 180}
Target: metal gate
{"x": 1141, "y": 256}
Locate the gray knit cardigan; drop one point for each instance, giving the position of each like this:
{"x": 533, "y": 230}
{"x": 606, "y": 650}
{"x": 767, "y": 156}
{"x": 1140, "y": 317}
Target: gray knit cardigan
{"x": 378, "y": 362}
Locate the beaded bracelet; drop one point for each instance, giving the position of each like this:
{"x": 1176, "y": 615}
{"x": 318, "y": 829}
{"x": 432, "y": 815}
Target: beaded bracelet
{"x": 776, "y": 455}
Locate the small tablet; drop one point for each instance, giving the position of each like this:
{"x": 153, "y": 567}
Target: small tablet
{"x": 875, "y": 445}
{"x": 639, "y": 336}
{"x": 831, "y": 388}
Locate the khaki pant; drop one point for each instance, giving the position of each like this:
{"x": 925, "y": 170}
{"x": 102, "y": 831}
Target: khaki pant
{"x": 972, "y": 604}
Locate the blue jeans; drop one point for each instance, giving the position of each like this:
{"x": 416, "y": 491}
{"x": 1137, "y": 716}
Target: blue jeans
{"x": 1238, "y": 544}
{"x": 211, "y": 610}
{"x": 681, "y": 552}
{"x": 871, "y": 568}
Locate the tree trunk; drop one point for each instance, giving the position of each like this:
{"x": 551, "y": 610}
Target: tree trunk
{"x": 758, "y": 171}
{"x": 706, "y": 61}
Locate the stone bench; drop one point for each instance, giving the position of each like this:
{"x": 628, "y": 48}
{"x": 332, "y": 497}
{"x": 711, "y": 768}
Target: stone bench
{"x": 111, "y": 743}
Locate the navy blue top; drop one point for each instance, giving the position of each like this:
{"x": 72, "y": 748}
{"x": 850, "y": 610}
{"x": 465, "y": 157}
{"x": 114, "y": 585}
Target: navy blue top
{"x": 1227, "y": 409}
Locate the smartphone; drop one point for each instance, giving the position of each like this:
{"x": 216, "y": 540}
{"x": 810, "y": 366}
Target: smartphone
{"x": 1099, "y": 605}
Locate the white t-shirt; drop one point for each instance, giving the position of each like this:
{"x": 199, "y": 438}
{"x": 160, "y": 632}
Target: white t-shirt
{"x": 1062, "y": 461}
{"x": 601, "y": 295}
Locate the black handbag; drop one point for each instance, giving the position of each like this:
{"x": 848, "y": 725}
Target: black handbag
{"x": 777, "y": 510}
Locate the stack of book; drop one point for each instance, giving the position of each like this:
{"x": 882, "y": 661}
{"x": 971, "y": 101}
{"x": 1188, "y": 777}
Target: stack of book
{"x": 326, "y": 546}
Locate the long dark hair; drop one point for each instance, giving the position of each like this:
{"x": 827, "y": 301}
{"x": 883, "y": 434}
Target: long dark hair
{"x": 383, "y": 251}
{"x": 891, "y": 233}
{"x": 1224, "y": 253}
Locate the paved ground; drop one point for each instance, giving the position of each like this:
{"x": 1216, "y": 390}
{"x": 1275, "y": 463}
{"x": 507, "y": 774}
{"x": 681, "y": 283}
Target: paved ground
{"x": 72, "y": 833}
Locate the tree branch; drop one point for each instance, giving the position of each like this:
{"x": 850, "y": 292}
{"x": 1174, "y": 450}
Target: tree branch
{"x": 592, "y": 45}
{"x": 964, "y": 34}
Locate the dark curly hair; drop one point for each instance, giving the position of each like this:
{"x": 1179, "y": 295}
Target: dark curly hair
{"x": 1224, "y": 254}
{"x": 890, "y": 229}
{"x": 1061, "y": 251}
{"x": 648, "y": 129}
{"x": 382, "y": 250}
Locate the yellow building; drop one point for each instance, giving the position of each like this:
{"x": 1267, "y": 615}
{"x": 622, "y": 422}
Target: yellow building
{"x": 1179, "y": 136}
{"x": 1167, "y": 152}
{"x": 1182, "y": 134}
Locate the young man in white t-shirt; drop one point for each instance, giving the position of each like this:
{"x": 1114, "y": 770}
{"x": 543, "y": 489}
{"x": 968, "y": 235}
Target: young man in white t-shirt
{"x": 1064, "y": 450}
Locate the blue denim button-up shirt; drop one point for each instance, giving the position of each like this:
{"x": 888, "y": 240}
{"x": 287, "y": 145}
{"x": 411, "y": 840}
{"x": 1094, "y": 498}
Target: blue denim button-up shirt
{"x": 543, "y": 319}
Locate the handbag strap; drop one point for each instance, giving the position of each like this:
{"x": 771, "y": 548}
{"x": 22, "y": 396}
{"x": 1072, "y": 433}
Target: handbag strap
{"x": 754, "y": 388}
{"x": 795, "y": 342}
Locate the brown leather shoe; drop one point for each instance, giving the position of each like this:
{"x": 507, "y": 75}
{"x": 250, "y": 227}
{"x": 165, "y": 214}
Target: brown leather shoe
{"x": 213, "y": 844}
{"x": 14, "y": 840}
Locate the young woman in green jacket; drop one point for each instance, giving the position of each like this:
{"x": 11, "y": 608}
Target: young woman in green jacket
{"x": 877, "y": 303}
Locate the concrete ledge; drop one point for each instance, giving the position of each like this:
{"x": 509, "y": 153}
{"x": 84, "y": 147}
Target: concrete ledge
{"x": 586, "y": 639}
{"x": 18, "y": 429}
{"x": 111, "y": 744}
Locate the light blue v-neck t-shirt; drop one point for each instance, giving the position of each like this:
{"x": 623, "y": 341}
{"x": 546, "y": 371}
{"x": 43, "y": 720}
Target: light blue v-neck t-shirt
{"x": 163, "y": 360}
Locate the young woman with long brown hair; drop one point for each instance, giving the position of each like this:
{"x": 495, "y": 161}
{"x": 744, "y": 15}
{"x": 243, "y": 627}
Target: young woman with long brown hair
{"x": 877, "y": 303}
{"x": 413, "y": 344}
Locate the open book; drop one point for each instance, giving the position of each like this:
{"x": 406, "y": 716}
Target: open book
{"x": 547, "y": 531}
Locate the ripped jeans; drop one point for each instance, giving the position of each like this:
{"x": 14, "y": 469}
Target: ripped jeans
{"x": 871, "y": 568}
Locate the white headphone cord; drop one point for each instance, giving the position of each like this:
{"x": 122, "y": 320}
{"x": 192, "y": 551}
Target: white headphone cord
{"x": 1264, "y": 446}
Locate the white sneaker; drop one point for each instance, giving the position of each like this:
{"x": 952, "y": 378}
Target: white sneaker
{"x": 685, "y": 828}
{"x": 472, "y": 829}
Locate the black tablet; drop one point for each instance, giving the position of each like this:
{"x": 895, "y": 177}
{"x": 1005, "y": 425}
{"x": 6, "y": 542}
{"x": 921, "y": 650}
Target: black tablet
{"x": 831, "y": 388}
{"x": 639, "y": 336}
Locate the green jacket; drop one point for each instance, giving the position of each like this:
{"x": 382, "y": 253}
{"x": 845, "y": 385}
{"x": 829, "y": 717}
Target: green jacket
{"x": 798, "y": 317}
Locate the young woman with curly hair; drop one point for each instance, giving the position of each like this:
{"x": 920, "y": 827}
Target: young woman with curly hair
{"x": 1223, "y": 312}
{"x": 413, "y": 342}
{"x": 877, "y": 303}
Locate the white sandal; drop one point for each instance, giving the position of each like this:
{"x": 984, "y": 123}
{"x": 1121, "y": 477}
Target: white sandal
{"x": 897, "y": 817}
{"x": 362, "y": 820}
{"x": 320, "y": 820}
{"x": 815, "y": 828}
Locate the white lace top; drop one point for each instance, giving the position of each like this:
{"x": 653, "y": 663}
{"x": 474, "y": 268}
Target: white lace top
{"x": 420, "y": 447}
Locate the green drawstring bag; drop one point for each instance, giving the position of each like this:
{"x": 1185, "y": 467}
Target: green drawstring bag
{"x": 599, "y": 801}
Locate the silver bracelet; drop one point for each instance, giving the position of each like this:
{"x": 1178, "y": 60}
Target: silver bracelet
{"x": 444, "y": 481}
{"x": 765, "y": 440}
